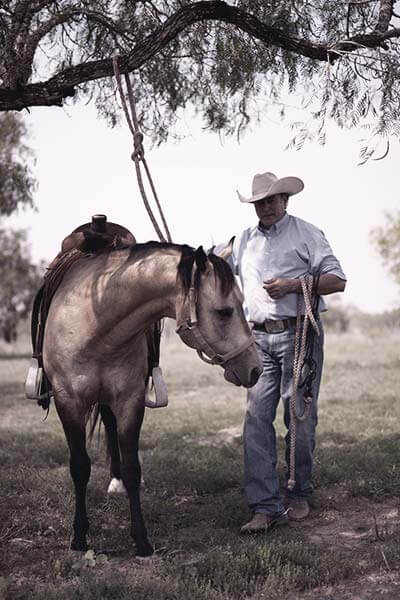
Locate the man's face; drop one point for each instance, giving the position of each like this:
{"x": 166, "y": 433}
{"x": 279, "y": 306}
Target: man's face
{"x": 270, "y": 210}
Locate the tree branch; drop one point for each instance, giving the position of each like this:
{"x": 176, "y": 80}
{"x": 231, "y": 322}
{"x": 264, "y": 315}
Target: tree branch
{"x": 63, "y": 18}
{"x": 385, "y": 15}
{"x": 63, "y": 84}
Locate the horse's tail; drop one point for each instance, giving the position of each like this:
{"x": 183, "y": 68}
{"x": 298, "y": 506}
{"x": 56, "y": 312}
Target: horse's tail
{"x": 94, "y": 419}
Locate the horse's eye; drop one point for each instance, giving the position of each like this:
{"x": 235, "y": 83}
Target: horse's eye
{"x": 225, "y": 313}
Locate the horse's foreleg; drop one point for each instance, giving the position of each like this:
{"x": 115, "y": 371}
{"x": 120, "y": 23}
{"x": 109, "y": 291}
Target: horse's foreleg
{"x": 128, "y": 435}
{"x": 80, "y": 472}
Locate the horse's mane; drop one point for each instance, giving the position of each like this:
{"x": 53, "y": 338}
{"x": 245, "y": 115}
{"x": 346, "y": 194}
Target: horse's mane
{"x": 189, "y": 255}
{"x": 222, "y": 270}
{"x": 148, "y": 247}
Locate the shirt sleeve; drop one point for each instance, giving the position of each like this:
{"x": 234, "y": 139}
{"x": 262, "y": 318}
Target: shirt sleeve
{"x": 322, "y": 259}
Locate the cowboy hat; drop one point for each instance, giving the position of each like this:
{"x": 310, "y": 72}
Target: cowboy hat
{"x": 267, "y": 184}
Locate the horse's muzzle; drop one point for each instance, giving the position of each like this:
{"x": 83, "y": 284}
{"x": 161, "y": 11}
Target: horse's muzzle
{"x": 231, "y": 376}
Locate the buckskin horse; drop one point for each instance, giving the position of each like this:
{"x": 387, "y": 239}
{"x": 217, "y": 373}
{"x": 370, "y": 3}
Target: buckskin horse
{"x": 95, "y": 351}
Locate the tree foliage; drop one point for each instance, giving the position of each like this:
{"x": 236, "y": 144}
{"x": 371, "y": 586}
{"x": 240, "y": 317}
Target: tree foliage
{"x": 387, "y": 241}
{"x": 230, "y": 60}
{"x": 16, "y": 182}
{"x": 19, "y": 277}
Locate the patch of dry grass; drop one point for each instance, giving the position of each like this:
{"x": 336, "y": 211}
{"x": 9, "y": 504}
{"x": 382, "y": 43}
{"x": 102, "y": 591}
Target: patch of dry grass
{"x": 193, "y": 501}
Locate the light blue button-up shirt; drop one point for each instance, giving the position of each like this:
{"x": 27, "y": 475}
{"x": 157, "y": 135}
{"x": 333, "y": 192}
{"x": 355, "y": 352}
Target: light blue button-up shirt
{"x": 289, "y": 248}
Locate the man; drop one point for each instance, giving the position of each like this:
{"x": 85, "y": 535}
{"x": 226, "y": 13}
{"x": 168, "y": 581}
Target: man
{"x": 269, "y": 259}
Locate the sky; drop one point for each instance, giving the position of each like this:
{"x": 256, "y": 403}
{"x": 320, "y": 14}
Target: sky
{"x": 83, "y": 167}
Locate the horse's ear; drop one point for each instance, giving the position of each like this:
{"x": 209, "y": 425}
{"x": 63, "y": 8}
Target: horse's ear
{"x": 225, "y": 251}
{"x": 200, "y": 258}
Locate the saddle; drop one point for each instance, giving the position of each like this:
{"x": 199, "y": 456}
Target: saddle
{"x": 94, "y": 237}
{"x": 90, "y": 238}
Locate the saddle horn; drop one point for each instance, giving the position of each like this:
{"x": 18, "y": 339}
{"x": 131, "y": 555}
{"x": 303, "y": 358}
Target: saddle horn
{"x": 99, "y": 223}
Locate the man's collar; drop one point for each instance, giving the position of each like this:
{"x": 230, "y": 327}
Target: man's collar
{"x": 276, "y": 227}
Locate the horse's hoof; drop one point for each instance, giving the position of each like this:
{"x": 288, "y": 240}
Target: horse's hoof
{"x": 147, "y": 561}
{"x": 116, "y": 487}
{"x": 144, "y": 551}
{"x": 79, "y": 545}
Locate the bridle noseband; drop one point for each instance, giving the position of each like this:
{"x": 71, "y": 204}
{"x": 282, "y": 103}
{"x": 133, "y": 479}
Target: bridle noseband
{"x": 189, "y": 332}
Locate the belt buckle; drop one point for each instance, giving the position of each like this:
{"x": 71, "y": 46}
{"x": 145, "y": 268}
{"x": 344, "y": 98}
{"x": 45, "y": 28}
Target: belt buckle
{"x": 274, "y": 326}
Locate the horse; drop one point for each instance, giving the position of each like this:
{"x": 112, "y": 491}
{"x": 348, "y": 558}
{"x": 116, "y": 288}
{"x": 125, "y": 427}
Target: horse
{"x": 95, "y": 350}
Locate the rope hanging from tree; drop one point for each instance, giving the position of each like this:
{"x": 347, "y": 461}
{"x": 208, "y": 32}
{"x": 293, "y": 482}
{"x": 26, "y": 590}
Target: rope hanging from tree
{"x": 303, "y": 351}
{"x": 153, "y": 338}
{"x": 138, "y": 151}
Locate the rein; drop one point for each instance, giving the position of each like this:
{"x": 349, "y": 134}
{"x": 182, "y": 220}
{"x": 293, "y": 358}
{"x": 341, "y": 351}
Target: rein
{"x": 303, "y": 355}
{"x": 189, "y": 332}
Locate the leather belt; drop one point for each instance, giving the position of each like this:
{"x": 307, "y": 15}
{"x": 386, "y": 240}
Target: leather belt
{"x": 276, "y": 325}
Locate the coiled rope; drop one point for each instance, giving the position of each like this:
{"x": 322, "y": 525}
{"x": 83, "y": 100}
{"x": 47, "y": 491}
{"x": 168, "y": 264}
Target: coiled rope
{"x": 138, "y": 151}
{"x": 304, "y": 300}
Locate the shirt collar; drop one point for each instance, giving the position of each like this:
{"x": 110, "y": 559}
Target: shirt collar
{"x": 276, "y": 227}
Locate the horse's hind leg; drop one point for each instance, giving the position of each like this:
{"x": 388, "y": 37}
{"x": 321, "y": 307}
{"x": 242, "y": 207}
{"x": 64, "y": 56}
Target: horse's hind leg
{"x": 75, "y": 432}
{"x": 110, "y": 424}
{"x": 128, "y": 436}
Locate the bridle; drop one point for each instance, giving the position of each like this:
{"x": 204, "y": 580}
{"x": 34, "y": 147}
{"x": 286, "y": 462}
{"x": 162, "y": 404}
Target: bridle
{"x": 189, "y": 332}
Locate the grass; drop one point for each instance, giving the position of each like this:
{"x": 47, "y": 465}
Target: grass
{"x": 193, "y": 501}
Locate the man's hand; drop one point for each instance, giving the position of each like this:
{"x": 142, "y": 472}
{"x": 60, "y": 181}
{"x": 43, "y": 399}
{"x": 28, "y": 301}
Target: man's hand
{"x": 279, "y": 287}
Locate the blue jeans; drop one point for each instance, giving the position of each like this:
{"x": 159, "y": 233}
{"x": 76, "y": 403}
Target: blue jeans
{"x": 261, "y": 480}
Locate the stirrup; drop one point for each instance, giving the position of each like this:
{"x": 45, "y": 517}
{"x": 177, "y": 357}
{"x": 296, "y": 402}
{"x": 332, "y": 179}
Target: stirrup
{"x": 160, "y": 391}
{"x": 33, "y": 383}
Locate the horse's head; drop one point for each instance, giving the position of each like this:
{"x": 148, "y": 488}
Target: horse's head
{"x": 210, "y": 317}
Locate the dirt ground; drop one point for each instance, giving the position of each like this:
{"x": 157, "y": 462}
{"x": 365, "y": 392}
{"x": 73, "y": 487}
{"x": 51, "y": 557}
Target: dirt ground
{"x": 353, "y": 525}
{"x": 337, "y": 521}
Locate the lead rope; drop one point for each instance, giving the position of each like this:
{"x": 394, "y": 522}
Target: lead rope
{"x": 299, "y": 355}
{"x": 138, "y": 151}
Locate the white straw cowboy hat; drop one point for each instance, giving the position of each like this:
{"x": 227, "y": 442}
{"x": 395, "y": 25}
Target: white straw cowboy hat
{"x": 268, "y": 184}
